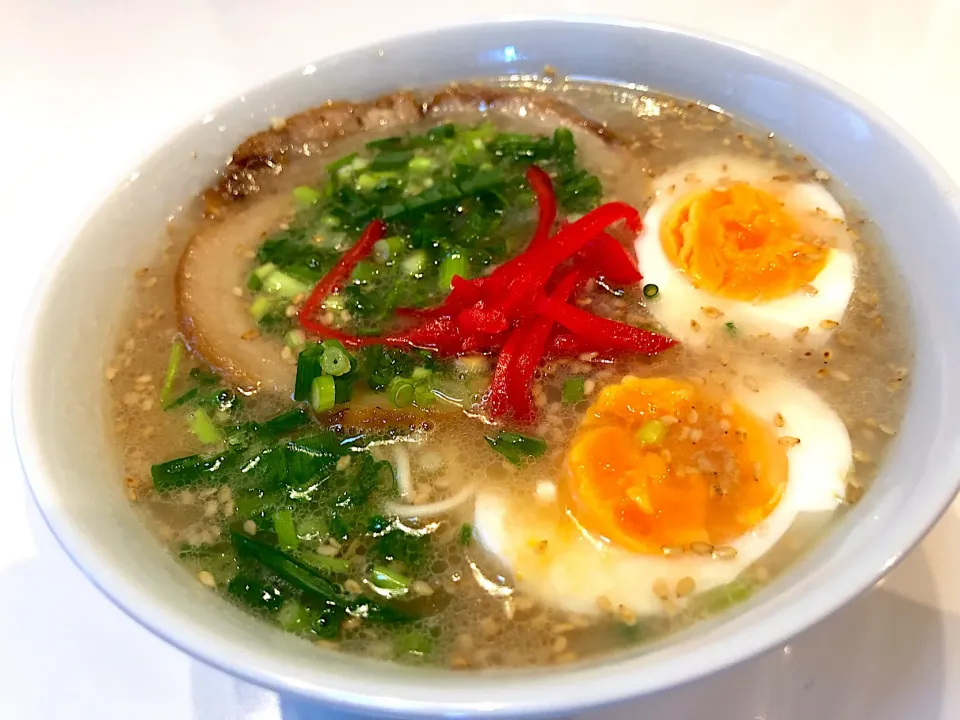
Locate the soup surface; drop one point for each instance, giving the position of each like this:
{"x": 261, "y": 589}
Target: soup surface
{"x": 396, "y": 384}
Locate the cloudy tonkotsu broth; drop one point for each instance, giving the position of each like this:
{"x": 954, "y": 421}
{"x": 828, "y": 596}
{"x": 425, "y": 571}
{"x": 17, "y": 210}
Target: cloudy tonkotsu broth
{"x": 482, "y": 501}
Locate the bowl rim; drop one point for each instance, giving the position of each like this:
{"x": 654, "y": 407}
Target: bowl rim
{"x": 397, "y": 695}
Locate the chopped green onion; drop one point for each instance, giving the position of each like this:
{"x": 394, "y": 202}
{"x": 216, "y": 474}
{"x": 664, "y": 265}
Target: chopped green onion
{"x": 387, "y": 579}
{"x": 650, "y": 291}
{"x": 391, "y": 160}
{"x": 415, "y": 263}
{"x": 341, "y": 163}
{"x": 391, "y": 143}
{"x": 292, "y": 616}
{"x": 336, "y": 360}
{"x": 323, "y": 393}
{"x": 484, "y": 180}
{"x": 386, "y": 249}
{"x": 286, "y": 530}
{"x": 423, "y": 396}
{"x": 312, "y": 527}
{"x": 284, "y": 285}
{"x": 401, "y": 392}
{"x": 364, "y": 273}
{"x": 651, "y": 432}
{"x": 283, "y": 423}
{"x": 415, "y": 644}
{"x": 264, "y": 270}
{"x": 420, "y": 373}
{"x": 286, "y": 567}
{"x": 324, "y": 562}
{"x": 723, "y": 596}
{"x": 391, "y": 210}
{"x": 188, "y": 471}
{"x": 309, "y": 366}
{"x": 173, "y": 364}
{"x": 260, "y": 307}
{"x": 204, "y": 428}
{"x": 367, "y": 182}
{"x": 255, "y": 281}
{"x": 446, "y": 131}
{"x": 305, "y": 196}
{"x": 731, "y": 328}
{"x": 421, "y": 163}
{"x": 574, "y": 390}
{"x": 296, "y": 340}
{"x": 516, "y": 447}
{"x": 334, "y": 303}
{"x": 183, "y": 399}
{"x": 466, "y": 533}
{"x": 455, "y": 264}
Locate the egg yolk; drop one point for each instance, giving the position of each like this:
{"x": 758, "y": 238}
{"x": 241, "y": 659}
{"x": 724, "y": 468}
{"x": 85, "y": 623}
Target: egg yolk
{"x": 660, "y": 463}
{"x": 740, "y": 243}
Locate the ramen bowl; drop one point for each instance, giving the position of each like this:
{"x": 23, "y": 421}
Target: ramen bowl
{"x": 59, "y": 409}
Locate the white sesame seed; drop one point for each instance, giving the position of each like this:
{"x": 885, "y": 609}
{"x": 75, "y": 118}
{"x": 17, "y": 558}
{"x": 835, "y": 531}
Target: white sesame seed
{"x": 250, "y": 527}
{"x": 419, "y": 587}
{"x": 206, "y": 578}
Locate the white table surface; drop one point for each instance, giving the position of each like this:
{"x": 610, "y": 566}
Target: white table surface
{"x": 89, "y": 88}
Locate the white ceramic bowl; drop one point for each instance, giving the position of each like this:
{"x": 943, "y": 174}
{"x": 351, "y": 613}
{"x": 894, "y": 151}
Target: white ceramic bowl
{"x": 59, "y": 388}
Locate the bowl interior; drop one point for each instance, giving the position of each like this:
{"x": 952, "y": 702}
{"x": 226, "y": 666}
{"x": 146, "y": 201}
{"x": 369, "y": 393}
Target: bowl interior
{"x": 59, "y": 386}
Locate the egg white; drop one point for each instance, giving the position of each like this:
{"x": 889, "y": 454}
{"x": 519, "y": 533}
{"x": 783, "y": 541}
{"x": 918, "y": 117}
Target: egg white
{"x": 679, "y": 301}
{"x": 558, "y": 563}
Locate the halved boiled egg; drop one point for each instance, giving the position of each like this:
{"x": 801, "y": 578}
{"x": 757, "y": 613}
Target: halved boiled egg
{"x": 729, "y": 240}
{"x": 672, "y": 486}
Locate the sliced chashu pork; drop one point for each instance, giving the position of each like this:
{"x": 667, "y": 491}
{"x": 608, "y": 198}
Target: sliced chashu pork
{"x": 216, "y": 323}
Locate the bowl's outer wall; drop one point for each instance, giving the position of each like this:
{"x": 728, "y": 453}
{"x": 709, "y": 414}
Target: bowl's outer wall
{"x": 71, "y": 326}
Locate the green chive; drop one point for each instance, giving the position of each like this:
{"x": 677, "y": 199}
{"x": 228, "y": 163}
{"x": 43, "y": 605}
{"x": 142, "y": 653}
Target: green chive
{"x": 452, "y": 265}
{"x": 731, "y": 328}
{"x": 387, "y": 579}
{"x": 401, "y": 392}
{"x": 309, "y": 366}
{"x": 415, "y": 263}
{"x": 391, "y": 160}
{"x": 260, "y": 306}
{"x": 323, "y": 393}
{"x": 388, "y": 248}
{"x": 173, "y": 364}
{"x": 336, "y": 360}
{"x": 573, "y": 390}
{"x": 466, "y": 533}
{"x": 423, "y": 395}
{"x": 296, "y": 340}
{"x": 334, "y": 303}
{"x": 516, "y": 447}
{"x": 204, "y": 428}
{"x": 292, "y": 616}
{"x": 365, "y": 272}
{"x": 650, "y": 291}
{"x": 342, "y": 162}
{"x": 367, "y": 182}
{"x": 286, "y": 530}
{"x": 323, "y": 562}
{"x": 284, "y": 285}
{"x": 305, "y": 196}
{"x": 421, "y": 163}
